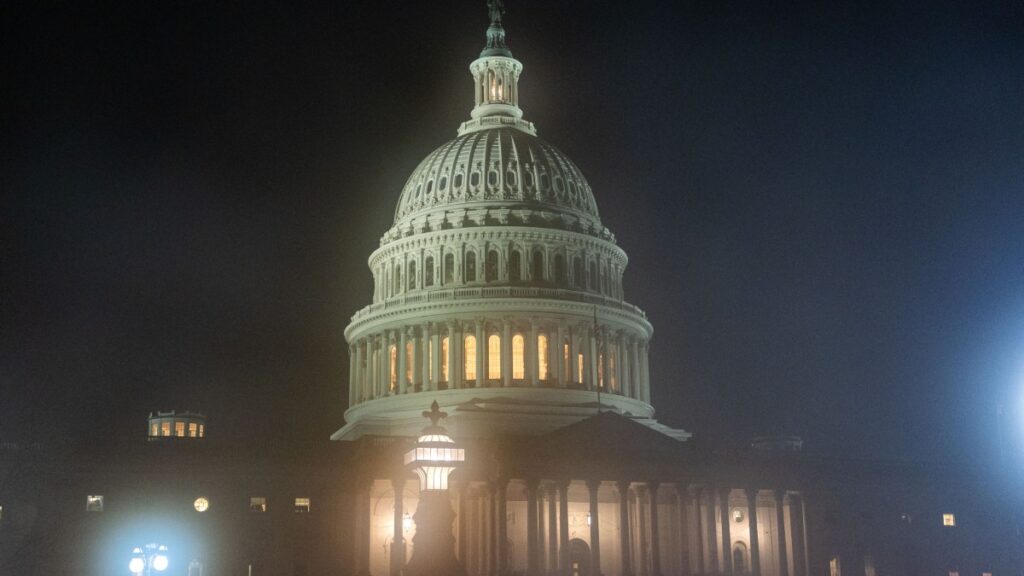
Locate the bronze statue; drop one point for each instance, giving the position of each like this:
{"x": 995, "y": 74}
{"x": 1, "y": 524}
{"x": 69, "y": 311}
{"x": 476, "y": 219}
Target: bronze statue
{"x": 495, "y": 8}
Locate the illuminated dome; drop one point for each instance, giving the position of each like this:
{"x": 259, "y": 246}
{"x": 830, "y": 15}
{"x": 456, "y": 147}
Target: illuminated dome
{"x": 499, "y": 168}
{"x": 497, "y": 291}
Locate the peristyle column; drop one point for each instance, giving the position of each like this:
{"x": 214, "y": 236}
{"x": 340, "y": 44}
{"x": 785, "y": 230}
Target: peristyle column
{"x": 624, "y": 540}
{"x": 755, "y": 551}
{"x": 652, "y": 488}
{"x": 595, "y": 529}
{"x": 780, "y": 517}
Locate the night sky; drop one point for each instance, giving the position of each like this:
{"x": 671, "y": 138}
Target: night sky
{"x": 823, "y": 205}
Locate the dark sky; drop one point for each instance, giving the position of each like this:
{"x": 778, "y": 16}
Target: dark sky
{"x": 823, "y": 204}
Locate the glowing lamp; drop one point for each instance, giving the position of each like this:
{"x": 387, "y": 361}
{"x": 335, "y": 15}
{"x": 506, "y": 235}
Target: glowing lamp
{"x": 435, "y": 455}
{"x": 138, "y": 561}
{"x": 160, "y": 559}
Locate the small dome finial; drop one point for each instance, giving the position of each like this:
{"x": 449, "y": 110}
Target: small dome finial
{"x": 495, "y": 33}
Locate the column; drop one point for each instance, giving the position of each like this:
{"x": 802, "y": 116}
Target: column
{"x": 712, "y": 531}
{"x": 624, "y": 540}
{"x": 352, "y": 386}
{"x": 552, "y": 492}
{"x": 723, "y": 497}
{"x": 419, "y": 352}
{"x": 652, "y": 488}
{"x": 591, "y": 360}
{"x": 402, "y": 382}
{"x": 501, "y": 489}
{"x": 563, "y": 527}
{"x": 595, "y": 531}
{"x": 426, "y": 357}
{"x": 385, "y": 374}
{"x": 574, "y": 349}
{"x": 361, "y": 369}
{"x": 780, "y": 518}
{"x": 645, "y": 388}
{"x": 621, "y": 372}
{"x": 642, "y": 531}
{"x": 362, "y": 527}
{"x": 701, "y": 530}
{"x": 755, "y": 552}
{"x": 559, "y": 357}
{"x": 398, "y": 540}
{"x": 635, "y": 365}
{"x": 796, "y": 522}
{"x": 532, "y": 565}
{"x": 506, "y": 353}
{"x": 683, "y": 497}
{"x": 481, "y": 353}
{"x": 488, "y": 531}
{"x": 533, "y": 356}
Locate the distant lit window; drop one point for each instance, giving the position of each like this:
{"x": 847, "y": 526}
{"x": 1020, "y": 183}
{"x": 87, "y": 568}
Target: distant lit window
{"x": 165, "y": 429}
{"x": 257, "y": 504}
{"x": 469, "y": 353}
{"x": 542, "y": 357}
{"x": 195, "y": 568}
{"x": 869, "y": 565}
{"x": 94, "y": 503}
{"x": 201, "y": 504}
{"x": 949, "y": 519}
{"x": 1, "y": 513}
{"x": 193, "y": 430}
{"x": 408, "y": 362}
{"x": 518, "y": 359}
{"x": 737, "y": 515}
{"x": 494, "y": 357}
{"x": 201, "y": 430}
{"x": 834, "y": 567}
{"x": 444, "y": 359}
{"x": 302, "y": 504}
{"x": 154, "y": 430}
{"x": 393, "y": 363}
{"x": 906, "y": 518}
{"x": 986, "y": 574}
{"x": 954, "y": 573}
{"x": 579, "y": 366}
{"x": 179, "y": 429}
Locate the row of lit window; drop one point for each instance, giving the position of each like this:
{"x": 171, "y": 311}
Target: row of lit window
{"x": 94, "y": 503}
{"x": 493, "y": 360}
{"x": 195, "y": 430}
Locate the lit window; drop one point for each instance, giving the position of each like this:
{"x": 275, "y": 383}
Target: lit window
{"x": 201, "y": 504}
{"x": 444, "y": 359}
{"x": 94, "y": 503}
{"x": 906, "y": 518}
{"x": 257, "y": 504}
{"x": 494, "y": 357}
{"x": 579, "y": 365}
{"x": 154, "y": 430}
{"x": 393, "y": 359}
{"x": 542, "y": 357}
{"x": 518, "y": 361}
{"x": 193, "y": 429}
{"x": 613, "y": 381}
{"x": 469, "y": 348}
{"x": 949, "y": 519}
{"x": 179, "y": 429}
{"x": 165, "y": 429}
{"x": 954, "y": 573}
{"x": 201, "y": 431}
{"x": 302, "y": 504}
{"x": 869, "y": 565}
{"x": 566, "y": 366}
{"x": 834, "y": 567}
{"x": 600, "y": 370}
{"x": 1, "y": 513}
{"x": 737, "y": 515}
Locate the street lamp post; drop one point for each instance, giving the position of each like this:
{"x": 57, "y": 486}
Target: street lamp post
{"x": 146, "y": 559}
{"x": 433, "y": 458}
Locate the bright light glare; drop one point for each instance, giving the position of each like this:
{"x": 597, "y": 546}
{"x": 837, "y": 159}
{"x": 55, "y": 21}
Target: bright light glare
{"x": 160, "y": 562}
{"x": 136, "y": 565}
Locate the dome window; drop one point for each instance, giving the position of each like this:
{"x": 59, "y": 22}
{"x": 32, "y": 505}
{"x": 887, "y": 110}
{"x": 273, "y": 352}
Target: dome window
{"x": 492, "y": 178}
{"x": 428, "y": 271}
{"x": 559, "y": 270}
{"x": 419, "y": 189}
{"x": 470, "y": 275}
{"x": 457, "y": 183}
{"x": 491, "y": 266}
{"x": 559, "y": 185}
{"x": 528, "y": 179}
{"x": 449, "y": 268}
{"x": 537, "y": 270}
{"x": 443, "y": 183}
{"x": 515, "y": 266}
{"x": 544, "y": 183}
{"x": 430, "y": 188}
{"x": 412, "y": 275}
{"x": 510, "y": 178}
{"x": 474, "y": 179}
{"x": 572, "y": 190}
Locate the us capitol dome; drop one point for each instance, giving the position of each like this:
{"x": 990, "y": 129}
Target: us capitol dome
{"x": 497, "y": 291}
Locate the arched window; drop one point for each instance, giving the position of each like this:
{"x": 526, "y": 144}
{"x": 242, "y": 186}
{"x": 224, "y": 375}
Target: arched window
{"x": 449, "y": 269}
{"x": 428, "y": 271}
{"x": 412, "y": 275}
{"x": 613, "y": 372}
{"x": 739, "y": 558}
{"x": 579, "y": 365}
{"x": 515, "y": 266}
{"x": 518, "y": 357}
{"x": 566, "y": 366}
{"x": 577, "y": 271}
{"x": 470, "y": 272}
{"x": 542, "y": 357}
{"x": 491, "y": 266}
{"x": 537, "y": 269}
{"x": 393, "y": 362}
{"x": 600, "y": 370}
{"x": 397, "y": 279}
{"x": 559, "y": 270}
{"x": 494, "y": 357}
{"x": 469, "y": 354}
{"x": 593, "y": 275}
{"x": 444, "y": 359}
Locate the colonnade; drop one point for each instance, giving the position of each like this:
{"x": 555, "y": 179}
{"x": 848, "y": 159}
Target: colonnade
{"x": 655, "y": 529}
{"x": 498, "y": 353}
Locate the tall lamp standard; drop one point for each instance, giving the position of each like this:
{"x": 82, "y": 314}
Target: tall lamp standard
{"x": 146, "y": 559}
{"x": 433, "y": 458}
